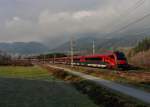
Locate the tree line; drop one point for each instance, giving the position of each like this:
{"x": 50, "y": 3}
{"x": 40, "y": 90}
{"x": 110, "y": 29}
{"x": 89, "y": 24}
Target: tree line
{"x": 143, "y": 45}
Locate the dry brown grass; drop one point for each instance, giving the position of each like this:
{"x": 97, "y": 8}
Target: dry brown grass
{"x": 101, "y": 96}
{"x": 141, "y": 59}
{"x": 137, "y": 78}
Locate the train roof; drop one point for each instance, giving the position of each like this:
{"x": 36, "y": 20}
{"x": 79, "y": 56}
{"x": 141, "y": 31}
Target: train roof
{"x": 91, "y": 56}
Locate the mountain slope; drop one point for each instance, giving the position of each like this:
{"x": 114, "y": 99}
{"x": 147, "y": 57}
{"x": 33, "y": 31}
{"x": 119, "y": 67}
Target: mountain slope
{"x": 85, "y": 43}
{"x": 23, "y": 48}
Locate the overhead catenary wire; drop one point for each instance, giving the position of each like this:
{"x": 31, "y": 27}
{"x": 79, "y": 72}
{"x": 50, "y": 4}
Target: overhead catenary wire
{"x": 126, "y": 14}
{"x": 132, "y": 23}
{"x": 131, "y": 9}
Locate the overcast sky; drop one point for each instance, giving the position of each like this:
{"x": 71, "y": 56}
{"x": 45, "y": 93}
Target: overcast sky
{"x": 51, "y": 20}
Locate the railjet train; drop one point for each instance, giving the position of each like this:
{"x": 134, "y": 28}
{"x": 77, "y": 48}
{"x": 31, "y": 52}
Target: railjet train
{"x": 108, "y": 60}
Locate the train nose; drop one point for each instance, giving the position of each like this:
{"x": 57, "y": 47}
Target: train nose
{"x": 122, "y": 62}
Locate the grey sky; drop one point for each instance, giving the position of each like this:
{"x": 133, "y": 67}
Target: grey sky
{"x": 51, "y": 20}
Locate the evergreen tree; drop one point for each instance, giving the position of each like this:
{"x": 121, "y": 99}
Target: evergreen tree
{"x": 144, "y": 45}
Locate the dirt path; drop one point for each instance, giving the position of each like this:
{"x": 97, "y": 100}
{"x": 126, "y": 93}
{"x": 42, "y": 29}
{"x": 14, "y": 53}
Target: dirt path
{"x": 136, "y": 93}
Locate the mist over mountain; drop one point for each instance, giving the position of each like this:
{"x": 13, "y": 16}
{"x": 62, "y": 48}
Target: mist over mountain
{"x": 82, "y": 42}
{"x": 23, "y": 47}
{"x": 126, "y": 38}
{"x": 55, "y": 21}
{"x": 85, "y": 43}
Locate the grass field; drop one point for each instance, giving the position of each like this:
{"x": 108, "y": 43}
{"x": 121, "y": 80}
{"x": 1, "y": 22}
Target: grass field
{"x": 35, "y": 72}
{"x": 33, "y": 87}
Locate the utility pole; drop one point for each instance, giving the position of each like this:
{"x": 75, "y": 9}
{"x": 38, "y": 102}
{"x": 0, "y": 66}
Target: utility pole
{"x": 71, "y": 51}
{"x": 44, "y": 59}
{"x": 93, "y": 47}
{"x": 54, "y": 58}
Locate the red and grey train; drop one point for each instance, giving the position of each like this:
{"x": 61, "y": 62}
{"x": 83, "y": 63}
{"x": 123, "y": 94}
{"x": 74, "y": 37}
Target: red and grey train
{"x": 108, "y": 60}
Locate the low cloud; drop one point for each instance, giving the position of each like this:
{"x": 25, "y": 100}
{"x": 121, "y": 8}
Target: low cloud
{"x": 75, "y": 22}
{"x": 48, "y": 20}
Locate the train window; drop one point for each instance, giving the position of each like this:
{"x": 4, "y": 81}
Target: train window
{"x": 93, "y": 59}
{"x": 76, "y": 60}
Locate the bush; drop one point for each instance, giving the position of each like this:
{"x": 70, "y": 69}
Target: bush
{"x": 141, "y": 59}
{"x": 4, "y": 58}
{"x": 140, "y": 54}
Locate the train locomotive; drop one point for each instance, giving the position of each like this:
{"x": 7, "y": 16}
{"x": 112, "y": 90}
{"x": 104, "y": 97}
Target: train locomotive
{"x": 115, "y": 59}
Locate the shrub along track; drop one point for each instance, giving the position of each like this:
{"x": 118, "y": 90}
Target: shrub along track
{"x": 100, "y": 95}
{"x": 136, "y": 78}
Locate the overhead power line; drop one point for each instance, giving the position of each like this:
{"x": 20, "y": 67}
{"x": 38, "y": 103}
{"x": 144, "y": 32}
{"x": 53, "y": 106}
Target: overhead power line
{"x": 132, "y": 23}
{"x": 127, "y": 13}
{"x": 138, "y": 4}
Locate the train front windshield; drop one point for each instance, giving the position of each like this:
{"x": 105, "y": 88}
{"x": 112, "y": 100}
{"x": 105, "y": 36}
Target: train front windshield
{"x": 120, "y": 56}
